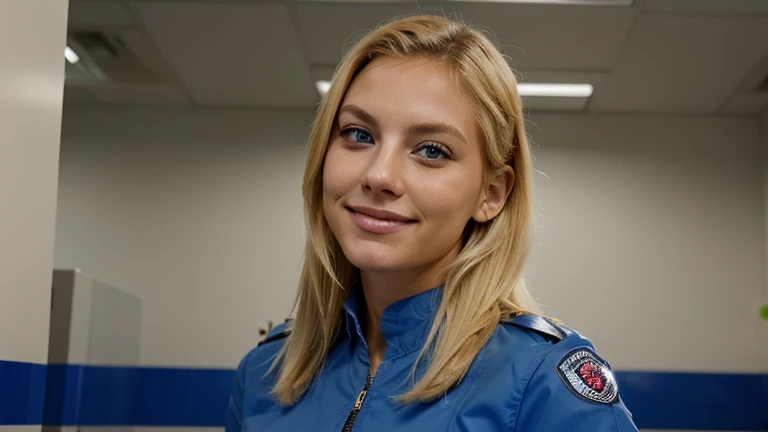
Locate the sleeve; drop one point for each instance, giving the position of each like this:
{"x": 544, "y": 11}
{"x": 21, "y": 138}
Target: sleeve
{"x": 573, "y": 390}
{"x": 235, "y": 411}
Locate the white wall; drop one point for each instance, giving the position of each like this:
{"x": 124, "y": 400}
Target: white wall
{"x": 652, "y": 237}
{"x": 198, "y": 213}
{"x": 764, "y": 144}
{"x": 763, "y": 326}
{"x": 31, "y": 89}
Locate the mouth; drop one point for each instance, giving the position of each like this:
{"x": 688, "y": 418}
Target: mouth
{"x": 379, "y": 221}
{"x": 383, "y": 215}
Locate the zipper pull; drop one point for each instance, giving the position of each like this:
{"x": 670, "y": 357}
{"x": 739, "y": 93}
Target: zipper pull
{"x": 360, "y": 399}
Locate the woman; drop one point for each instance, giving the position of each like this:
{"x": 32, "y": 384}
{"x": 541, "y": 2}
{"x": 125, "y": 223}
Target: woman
{"x": 412, "y": 312}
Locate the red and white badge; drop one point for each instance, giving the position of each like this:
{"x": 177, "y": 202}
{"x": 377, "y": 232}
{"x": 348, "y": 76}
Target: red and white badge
{"x": 588, "y": 376}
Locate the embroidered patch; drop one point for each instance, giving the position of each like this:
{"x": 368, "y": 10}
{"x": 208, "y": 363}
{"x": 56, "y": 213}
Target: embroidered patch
{"x": 588, "y": 376}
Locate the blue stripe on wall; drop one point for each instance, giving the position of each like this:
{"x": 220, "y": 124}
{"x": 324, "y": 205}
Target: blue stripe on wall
{"x": 117, "y": 396}
{"x": 700, "y": 401}
{"x": 22, "y": 387}
{"x": 139, "y": 396}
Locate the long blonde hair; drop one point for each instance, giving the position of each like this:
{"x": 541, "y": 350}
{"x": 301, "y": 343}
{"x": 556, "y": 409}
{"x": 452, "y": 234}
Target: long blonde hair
{"x": 484, "y": 283}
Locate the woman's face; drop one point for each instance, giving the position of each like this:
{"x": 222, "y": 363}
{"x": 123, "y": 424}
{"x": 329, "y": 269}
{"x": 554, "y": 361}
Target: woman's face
{"x": 403, "y": 171}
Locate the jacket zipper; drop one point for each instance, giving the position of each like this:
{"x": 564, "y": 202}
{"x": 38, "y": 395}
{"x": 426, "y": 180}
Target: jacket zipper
{"x": 350, "y": 423}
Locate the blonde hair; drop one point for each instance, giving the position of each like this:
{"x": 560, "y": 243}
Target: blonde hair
{"x": 484, "y": 284}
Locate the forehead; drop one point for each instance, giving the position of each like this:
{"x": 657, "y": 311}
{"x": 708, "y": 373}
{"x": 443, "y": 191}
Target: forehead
{"x": 412, "y": 90}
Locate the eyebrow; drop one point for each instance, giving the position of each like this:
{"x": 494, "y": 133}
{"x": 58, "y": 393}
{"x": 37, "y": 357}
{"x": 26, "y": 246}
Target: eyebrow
{"x": 419, "y": 129}
{"x": 359, "y": 113}
{"x": 435, "y": 128}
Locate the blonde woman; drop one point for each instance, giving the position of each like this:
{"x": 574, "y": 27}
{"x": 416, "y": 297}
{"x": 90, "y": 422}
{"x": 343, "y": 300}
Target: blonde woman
{"x": 412, "y": 313}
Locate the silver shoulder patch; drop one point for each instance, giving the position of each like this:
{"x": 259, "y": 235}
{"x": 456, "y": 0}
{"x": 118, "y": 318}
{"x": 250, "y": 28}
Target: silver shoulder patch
{"x": 588, "y": 376}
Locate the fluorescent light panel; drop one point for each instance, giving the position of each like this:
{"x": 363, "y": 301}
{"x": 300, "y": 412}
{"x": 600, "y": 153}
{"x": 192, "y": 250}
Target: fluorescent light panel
{"x": 71, "y": 55}
{"x": 555, "y": 90}
{"x": 525, "y": 89}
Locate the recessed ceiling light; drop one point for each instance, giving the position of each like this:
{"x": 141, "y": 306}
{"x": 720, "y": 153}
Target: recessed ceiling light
{"x": 322, "y": 87}
{"x": 555, "y": 90}
{"x": 71, "y": 55}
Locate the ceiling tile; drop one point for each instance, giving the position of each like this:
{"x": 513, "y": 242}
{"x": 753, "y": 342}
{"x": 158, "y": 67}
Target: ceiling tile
{"x": 553, "y": 36}
{"x": 569, "y": 77}
{"x": 683, "y": 63}
{"x": 231, "y": 54}
{"x": 75, "y": 95}
{"x": 554, "y": 104}
{"x": 139, "y": 94}
{"x": 100, "y": 14}
{"x": 746, "y": 103}
{"x": 707, "y": 6}
{"x": 533, "y": 36}
{"x": 329, "y": 28}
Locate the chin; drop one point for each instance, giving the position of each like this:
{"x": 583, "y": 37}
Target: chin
{"x": 375, "y": 260}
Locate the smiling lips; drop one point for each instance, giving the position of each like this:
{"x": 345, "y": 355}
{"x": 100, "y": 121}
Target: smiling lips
{"x": 379, "y": 221}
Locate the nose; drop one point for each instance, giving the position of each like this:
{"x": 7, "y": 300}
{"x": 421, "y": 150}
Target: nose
{"x": 384, "y": 173}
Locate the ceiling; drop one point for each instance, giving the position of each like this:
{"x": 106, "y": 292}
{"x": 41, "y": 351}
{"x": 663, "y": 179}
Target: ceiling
{"x": 656, "y": 56}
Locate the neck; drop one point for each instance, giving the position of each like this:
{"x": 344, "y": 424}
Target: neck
{"x": 381, "y": 289}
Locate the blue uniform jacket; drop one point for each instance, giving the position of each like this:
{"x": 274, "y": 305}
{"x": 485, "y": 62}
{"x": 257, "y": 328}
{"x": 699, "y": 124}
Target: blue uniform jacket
{"x": 532, "y": 375}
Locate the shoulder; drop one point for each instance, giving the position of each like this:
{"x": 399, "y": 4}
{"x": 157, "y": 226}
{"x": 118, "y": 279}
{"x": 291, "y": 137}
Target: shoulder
{"x": 280, "y": 332}
{"x": 259, "y": 359}
{"x": 530, "y": 337}
{"x": 253, "y": 378}
{"x": 549, "y": 330}
{"x": 560, "y": 354}
{"x": 569, "y": 359}
{"x": 562, "y": 379}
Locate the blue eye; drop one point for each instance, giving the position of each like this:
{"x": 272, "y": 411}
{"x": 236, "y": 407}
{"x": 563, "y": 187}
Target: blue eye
{"x": 432, "y": 152}
{"x": 358, "y": 135}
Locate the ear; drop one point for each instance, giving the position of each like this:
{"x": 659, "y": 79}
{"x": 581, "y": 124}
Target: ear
{"x": 495, "y": 195}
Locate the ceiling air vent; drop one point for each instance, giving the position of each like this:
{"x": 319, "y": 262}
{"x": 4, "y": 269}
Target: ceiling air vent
{"x": 104, "y": 57}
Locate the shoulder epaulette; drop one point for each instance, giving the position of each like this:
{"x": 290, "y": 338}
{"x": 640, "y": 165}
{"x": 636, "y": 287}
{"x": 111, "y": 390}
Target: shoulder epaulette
{"x": 282, "y": 331}
{"x": 547, "y": 327}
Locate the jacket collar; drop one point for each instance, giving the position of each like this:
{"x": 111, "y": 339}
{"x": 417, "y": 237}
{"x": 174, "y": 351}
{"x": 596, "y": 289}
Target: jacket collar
{"x": 404, "y": 324}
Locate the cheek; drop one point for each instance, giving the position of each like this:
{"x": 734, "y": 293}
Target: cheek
{"x": 450, "y": 198}
{"x": 330, "y": 173}
{"x": 338, "y": 175}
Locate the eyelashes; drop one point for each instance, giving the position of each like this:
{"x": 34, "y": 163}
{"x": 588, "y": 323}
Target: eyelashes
{"x": 357, "y": 135}
{"x": 431, "y": 151}
{"x": 432, "y": 148}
